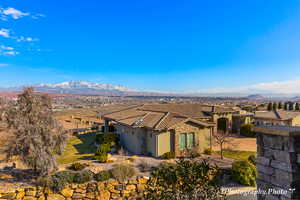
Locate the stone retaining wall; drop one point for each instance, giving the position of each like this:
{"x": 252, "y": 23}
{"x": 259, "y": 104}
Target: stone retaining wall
{"x": 277, "y": 164}
{"x": 111, "y": 189}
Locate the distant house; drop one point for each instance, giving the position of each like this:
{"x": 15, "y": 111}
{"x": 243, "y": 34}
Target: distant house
{"x": 278, "y": 117}
{"x": 159, "y": 128}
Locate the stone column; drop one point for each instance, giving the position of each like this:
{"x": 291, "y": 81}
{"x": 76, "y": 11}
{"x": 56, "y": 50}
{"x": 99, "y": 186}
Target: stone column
{"x": 278, "y": 158}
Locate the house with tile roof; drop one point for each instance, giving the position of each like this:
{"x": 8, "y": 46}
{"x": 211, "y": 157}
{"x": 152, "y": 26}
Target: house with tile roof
{"x": 277, "y": 117}
{"x": 155, "y": 129}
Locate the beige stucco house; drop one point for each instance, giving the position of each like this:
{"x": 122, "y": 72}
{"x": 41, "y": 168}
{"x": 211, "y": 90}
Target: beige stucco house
{"x": 278, "y": 117}
{"x": 159, "y": 128}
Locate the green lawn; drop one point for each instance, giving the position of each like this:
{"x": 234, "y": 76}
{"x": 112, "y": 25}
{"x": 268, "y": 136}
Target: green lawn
{"x": 80, "y": 147}
{"x": 237, "y": 155}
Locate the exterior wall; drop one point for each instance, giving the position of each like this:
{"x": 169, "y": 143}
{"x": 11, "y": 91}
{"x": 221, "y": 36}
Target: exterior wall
{"x": 296, "y": 121}
{"x": 163, "y": 143}
{"x": 151, "y": 143}
{"x": 277, "y": 165}
{"x": 202, "y": 137}
{"x": 130, "y": 138}
{"x": 107, "y": 190}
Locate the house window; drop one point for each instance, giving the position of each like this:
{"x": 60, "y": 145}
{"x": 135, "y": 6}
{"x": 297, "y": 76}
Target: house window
{"x": 187, "y": 141}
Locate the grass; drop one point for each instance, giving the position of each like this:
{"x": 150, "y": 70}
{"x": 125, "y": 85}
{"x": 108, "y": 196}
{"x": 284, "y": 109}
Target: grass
{"x": 80, "y": 147}
{"x": 237, "y": 155}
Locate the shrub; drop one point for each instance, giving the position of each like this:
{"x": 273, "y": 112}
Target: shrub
{"x": 107, "y": 138}
{"x": 208, "y": 151}
{"x": 77, "y": 166}
{"x": 186, "y": 179}
{"x": 103, "y": 176}
{"x": 83, "y": 177}
{"x": 168, "y": 155}
{"x": 101, "y": 158}
{"x": 103, "y": 148}
{"x": 244, "y": 173}
{"x": 122, "y": 172}
{"x": 58, "y": 181}
{"x": 252, "y": 159}
{"x": 246, "y": 130}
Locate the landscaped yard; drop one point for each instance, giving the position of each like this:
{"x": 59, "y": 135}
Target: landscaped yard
{"x": 237, "y": 155}
{"x": 80, "y": 147}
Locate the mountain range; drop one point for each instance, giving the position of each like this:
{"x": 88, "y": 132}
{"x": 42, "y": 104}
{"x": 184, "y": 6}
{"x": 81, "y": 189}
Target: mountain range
{"x": 90, "y": 88}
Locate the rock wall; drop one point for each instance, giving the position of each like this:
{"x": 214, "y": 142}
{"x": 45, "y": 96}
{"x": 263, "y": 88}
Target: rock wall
{"x": 277, "y": 164}
{"x": 111, "y": 189}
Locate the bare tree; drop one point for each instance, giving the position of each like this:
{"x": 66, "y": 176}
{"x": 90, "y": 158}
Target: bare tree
{"x": 221, "y": 138}
{"x": 35, "y": 136}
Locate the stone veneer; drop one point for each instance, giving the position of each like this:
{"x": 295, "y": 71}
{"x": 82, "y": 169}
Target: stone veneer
{"x": 111, "y": 189}
{"x": 278, "y": 158}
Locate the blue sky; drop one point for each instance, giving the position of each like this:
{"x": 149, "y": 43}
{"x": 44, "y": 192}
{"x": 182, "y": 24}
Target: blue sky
{"x": 169, "y": 45}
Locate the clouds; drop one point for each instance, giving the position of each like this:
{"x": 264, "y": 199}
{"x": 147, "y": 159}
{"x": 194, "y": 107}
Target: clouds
{"x": 8, "y": 51}
{"x": 9, "y": 36}
{"x": 13, "y": 13}
{"x": 4, "y": 33}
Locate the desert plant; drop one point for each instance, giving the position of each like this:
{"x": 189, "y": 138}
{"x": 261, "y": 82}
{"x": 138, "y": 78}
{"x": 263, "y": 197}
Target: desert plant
{"x": 77, "y": 166}
{"x": 244, "y": 173}
{"x": 122, "y": 172}
{"x": 83, "y": 177}
{"x": 102, "y": 176}
{"x": 185, "y": 180}
{"x": 246, "y": 130}
{"x": 36, "y": 137}
{"x": 208, "y": 151}
{"x": 168, "y": 155}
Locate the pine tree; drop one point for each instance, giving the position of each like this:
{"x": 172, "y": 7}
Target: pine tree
{"x": 274, "y": 106}
{"x": 297, "y": 106}
{"x": 270, "y": 106}
{"x": 280, "y": 105}
{"x": 286, "y": 106}
{"x": 291, "y": 106}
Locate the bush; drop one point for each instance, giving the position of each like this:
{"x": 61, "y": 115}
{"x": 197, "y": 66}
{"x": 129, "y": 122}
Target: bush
{"x": 107, "y": 138}
{"x": 122, "y": 172}
{"x": 77, "y": 166}
{"x": 101, "y": 158}
{"x": 58, "y": 181}
{"x": 168, "y": 155}
{"x": 246, "y": 130}
{"x": 208, "y": 151}
{"x": 83, "y": 177}
{"x": 186, "y": 179}
{"x": 103, "y": 148}
{"x": 252, "y": 159}
{"x": 244, "y": 173}
{"x": 103, "y": 176}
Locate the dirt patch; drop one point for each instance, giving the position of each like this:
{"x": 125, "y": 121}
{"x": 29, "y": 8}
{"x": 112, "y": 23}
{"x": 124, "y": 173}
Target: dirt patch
{"x": 239, "y": 144}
